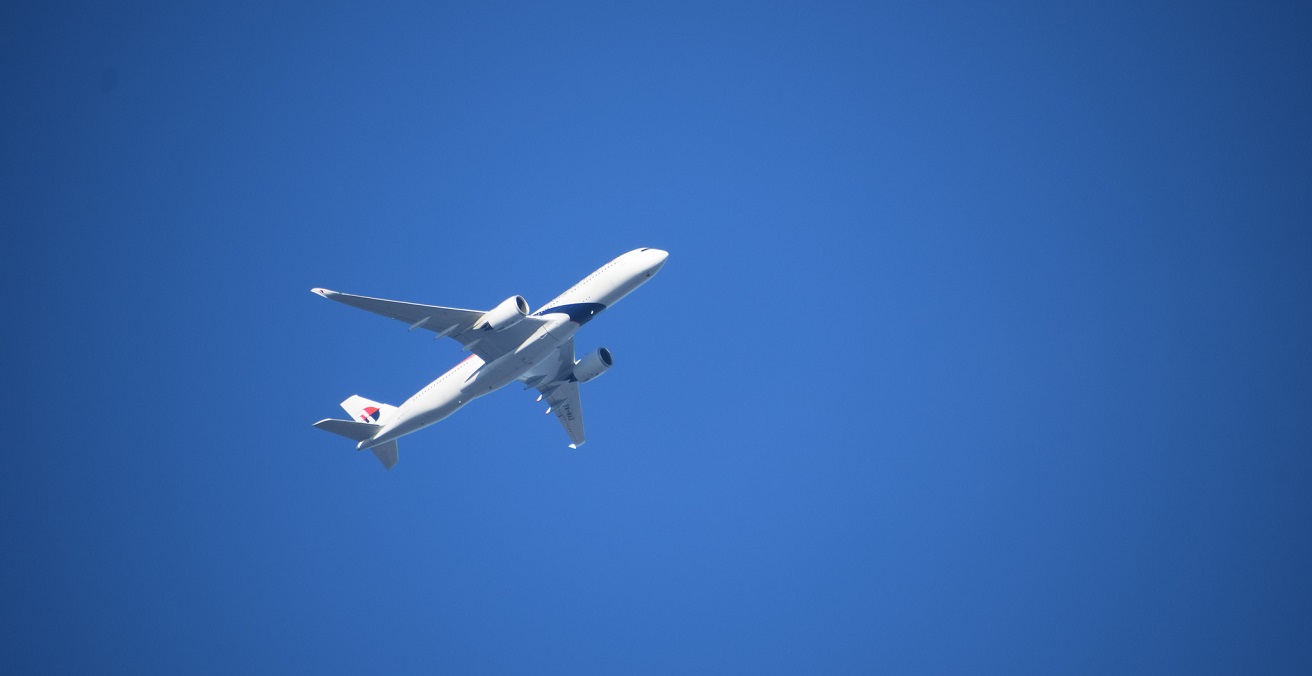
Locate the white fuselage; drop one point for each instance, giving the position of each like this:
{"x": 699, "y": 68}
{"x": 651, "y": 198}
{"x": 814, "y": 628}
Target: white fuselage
{"x": 472, "y": 378}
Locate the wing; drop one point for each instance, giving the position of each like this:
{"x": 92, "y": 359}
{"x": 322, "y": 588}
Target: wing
{"x": 562, "y": 395}
{"x": 569, "y": 411}
{"x": 445, "y": 321}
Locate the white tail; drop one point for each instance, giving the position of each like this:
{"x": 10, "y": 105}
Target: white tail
{"x": 366, "y": 417}
{"x": 368, "y": 411}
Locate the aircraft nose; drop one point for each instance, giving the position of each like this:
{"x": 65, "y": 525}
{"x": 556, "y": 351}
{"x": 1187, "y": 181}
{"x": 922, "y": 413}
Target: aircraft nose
{"x": 658, "y": 261}
{"x": 660, "y": 257}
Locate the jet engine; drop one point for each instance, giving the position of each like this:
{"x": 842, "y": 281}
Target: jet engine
{"x": 509, "y": 313}
{"x": 592, "y": 365}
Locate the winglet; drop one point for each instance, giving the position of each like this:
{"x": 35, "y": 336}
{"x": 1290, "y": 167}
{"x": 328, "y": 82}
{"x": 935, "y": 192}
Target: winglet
{"x": 323, "y": 292}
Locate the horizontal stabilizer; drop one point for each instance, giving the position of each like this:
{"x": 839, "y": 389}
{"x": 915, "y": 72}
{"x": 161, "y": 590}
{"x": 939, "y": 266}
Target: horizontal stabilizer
{"x": 357, "y": 431}
{"x": 386, "y": 453}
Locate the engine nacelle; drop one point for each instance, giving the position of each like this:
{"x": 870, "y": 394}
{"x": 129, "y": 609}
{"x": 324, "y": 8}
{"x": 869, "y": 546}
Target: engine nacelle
{"x": 593, "y": 364}
{"x": 510, "y": 312}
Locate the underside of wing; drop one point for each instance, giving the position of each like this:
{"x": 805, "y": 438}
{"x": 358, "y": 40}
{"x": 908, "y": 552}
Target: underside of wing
{"x": 442, "y": 320}
{"x": 565, "y": 404}
{"x": 456, "y": 323}
{"x": 552, "y": 379}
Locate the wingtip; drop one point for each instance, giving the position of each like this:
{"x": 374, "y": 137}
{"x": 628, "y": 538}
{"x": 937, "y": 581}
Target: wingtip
{"x": 322, "y": 292}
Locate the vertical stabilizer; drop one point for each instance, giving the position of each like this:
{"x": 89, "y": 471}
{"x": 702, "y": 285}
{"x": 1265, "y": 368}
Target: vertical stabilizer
{"x": 368, "y": 411}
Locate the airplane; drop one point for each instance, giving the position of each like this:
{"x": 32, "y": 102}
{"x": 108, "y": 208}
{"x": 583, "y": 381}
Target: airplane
{"x": 507, "y": 344}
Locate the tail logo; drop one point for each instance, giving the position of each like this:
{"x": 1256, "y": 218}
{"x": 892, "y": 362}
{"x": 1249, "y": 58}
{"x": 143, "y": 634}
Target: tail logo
{"x": 370, "y": 414}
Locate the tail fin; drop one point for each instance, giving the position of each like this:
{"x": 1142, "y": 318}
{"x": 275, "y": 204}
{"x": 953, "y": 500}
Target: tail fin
{"x": 367, "y": 417}
{"x": 358, "y": 431}
{"x": 367, "y": 410}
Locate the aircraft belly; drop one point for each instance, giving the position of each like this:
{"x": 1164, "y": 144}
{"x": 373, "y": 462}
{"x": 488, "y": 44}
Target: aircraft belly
{"x": 508, "y": 368}
{"x": 433, "y": 404}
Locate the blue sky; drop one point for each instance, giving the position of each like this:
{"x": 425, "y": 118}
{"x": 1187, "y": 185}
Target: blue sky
{"x": 981, "y": 348}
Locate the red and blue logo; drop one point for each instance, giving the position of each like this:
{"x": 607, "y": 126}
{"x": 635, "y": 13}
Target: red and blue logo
{"x": 370, "y": 414}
